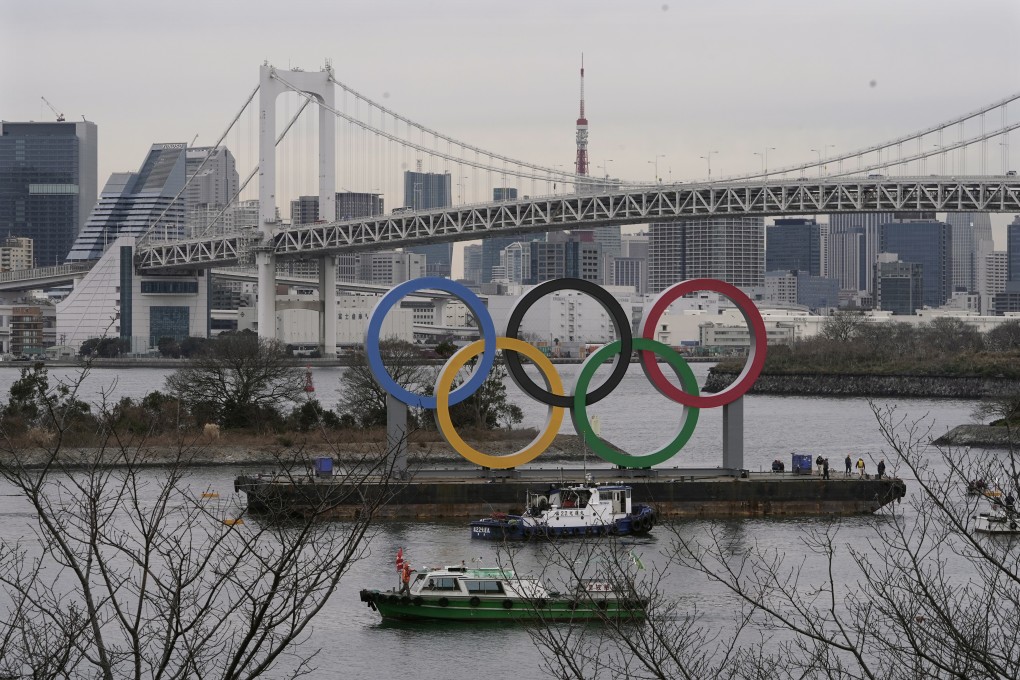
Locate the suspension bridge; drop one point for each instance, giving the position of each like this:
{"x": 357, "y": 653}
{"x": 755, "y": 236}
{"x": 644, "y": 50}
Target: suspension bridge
{"x": 306, "y": 133}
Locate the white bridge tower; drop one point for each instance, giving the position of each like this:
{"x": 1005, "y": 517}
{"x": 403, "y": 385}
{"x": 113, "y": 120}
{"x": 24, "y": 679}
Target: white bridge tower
{"x": 320, "y": 86}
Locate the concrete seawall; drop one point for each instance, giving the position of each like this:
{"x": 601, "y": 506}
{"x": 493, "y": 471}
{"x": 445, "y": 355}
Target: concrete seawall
{"x": 950, "y": 387}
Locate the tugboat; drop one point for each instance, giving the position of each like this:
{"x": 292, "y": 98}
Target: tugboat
{"x": 574, "y": 510}
{"x": 461, "y": 593}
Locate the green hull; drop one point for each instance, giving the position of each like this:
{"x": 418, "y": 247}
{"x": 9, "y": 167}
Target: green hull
{"x": 478, "y": 608}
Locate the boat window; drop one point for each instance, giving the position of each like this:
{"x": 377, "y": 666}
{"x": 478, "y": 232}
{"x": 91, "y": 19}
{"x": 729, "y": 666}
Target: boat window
{"x": 442, "y": 583}
{"x": 490, "y": 587}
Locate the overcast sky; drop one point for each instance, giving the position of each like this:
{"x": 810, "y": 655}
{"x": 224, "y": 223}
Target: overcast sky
{"x": 662, "y": 78}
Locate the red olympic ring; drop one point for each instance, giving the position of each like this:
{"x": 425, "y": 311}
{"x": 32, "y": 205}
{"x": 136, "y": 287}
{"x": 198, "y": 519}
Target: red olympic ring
{"x": 756, "y": 353}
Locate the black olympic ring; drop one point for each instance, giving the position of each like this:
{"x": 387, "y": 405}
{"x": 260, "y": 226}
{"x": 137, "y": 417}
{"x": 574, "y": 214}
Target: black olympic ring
{"x": 612, "y": 307}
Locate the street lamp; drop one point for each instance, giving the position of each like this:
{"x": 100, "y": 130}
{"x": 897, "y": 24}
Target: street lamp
{"x": 765, "y": 160}
{"x": 826, "y": 149}
{"x": 605, "y": 166}
{"x": 708, "y": 158}
{"x": 656, "y": 163}
{"x": 560, "y": 177}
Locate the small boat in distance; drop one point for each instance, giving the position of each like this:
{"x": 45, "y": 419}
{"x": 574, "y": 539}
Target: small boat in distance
{"x": 1002, "y": 517}
{"x": 979, "y": 487}
{"x": 572, "y": 510}
{"x": 461, "y": 593}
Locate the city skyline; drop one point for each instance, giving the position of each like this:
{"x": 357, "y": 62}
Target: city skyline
{"x": 864, "y": 97}
{"x": 683, "y": 88}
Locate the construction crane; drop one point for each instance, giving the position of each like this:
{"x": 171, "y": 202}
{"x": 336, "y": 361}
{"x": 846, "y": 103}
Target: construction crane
{"x": 60, "y": 116}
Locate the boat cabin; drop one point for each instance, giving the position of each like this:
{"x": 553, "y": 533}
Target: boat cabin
{"x": 617, "y": 499}
{"x": 482, "y": 581}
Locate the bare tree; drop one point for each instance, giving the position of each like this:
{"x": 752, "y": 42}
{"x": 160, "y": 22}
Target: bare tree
{"x": 659, "y": 636}
{"x": 1005, "y": 337}
{"x": 950, "y": 335}
{"x": 132, "y": 572}
{"x": 362, "y": 401}
{"x": 924, "y": 597}
{"x": 843, "y": 326}
{"x": 240, "y": 379}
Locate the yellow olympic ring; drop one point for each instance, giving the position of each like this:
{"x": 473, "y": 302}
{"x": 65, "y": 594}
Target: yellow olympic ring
{"x": 539, "y": 444}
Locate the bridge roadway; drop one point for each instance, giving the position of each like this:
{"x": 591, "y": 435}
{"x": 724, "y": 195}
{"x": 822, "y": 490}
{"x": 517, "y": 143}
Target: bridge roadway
{"x": 642, "y": 205}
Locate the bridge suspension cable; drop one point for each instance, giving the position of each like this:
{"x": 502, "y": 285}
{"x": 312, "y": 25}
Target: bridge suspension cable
{"x": 495, "y": 163}
{"x": 252, "y": 174}
{"x": 913, "y": 136}
{"x": 146, "y": 235}
{"x": 540, "y": 172}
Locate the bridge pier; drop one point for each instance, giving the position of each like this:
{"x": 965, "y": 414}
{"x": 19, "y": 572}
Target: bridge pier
{"x": 438, "y": 312}
{"x": 327, "y": 300}
{"x": 265, "y": 263}
{"x": 733, "y": 435}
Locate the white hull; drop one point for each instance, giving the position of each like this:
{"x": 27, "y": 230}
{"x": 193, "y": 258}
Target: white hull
{"x": 997, "y": 523}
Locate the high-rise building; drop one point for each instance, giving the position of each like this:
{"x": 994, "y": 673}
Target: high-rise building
{"x": 629, "y": 271}
{"x": 212, "y": 188}
{"x": 425, "y": 191}
{"x": 793, "y": 244}
{"x": 847, "y": 261}
{"x": 972, "y": 239}
{"x": 899, "y": 286}
{"x": 995, "y": 273}
{"x": 473, "y": 263}
{"x": 868, "y": 224}
{"x": 634, "y": 245}
{"x": 504, "y": 194}
{"x": 304, "y": 210}
{"x": 515, "y": 262}
{"x": 16, "y": 253}
{"x": 823, "y": 249}
{"x": 1013, "y": 250}
{"x": 929, "y": 244}
{"x": 667, "y": 255}
{"x": 727, "y": 248}
{"x": 797, "y": 287}
{"x": 574, "y": 255}
{"x": 492, "y": 246}
{"x": 133, "y": 202}
{"x": 349, "y": 205}
{"x": 48, "y": 184}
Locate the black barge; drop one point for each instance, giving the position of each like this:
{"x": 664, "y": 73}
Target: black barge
{"x": 674, "y": 492}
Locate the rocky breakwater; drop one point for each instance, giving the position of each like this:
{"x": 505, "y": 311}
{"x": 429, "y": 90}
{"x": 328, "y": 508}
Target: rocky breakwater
{"x": 871, "y": 385}
{"x": 981, "y": 436}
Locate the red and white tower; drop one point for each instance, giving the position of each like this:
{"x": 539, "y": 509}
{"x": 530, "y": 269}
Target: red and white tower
{"x": 581, "y": 164}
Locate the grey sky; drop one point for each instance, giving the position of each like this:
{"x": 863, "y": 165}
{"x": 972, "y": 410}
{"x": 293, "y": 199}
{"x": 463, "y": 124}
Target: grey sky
{"x": 673, "y": 78}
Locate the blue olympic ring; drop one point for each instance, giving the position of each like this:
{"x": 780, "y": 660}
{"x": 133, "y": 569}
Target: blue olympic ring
{"x": 478, "y": 309}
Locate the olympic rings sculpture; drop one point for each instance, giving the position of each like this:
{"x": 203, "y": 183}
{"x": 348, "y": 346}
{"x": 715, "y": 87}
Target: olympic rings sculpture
{"x": 552, "y": 394}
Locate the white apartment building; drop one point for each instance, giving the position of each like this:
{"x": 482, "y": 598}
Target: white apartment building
{"x": 16, "y": 253}
{"x": 297, "y": 320}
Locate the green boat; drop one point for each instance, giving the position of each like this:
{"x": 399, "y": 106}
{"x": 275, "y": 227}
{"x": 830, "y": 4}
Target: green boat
{"x": 461, "y": 593}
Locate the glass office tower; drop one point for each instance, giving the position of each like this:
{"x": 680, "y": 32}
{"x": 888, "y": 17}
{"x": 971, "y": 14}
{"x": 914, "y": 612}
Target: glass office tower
{"x": 48, "y": 184}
